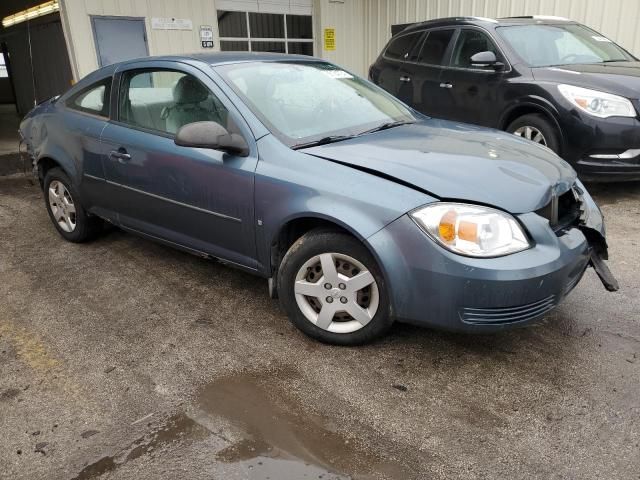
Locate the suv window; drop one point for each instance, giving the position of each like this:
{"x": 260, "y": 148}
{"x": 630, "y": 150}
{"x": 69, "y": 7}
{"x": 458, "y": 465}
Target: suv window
{"x": 435, "y": 46}
{"x": 401, "y": 47}
{"x": 470, "y": 42}
{"x": 93, "y": 99}
{"x": 165, "y": 100}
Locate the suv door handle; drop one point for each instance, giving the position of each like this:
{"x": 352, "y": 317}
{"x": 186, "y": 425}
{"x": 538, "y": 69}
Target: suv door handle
{"x": 406, "y": 79}
{"x": 446, "y": 85}
{"x": 121, "y": 155}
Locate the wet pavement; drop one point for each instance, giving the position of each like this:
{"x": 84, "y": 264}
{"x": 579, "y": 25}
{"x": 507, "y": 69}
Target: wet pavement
{"x": 123, "y": 359}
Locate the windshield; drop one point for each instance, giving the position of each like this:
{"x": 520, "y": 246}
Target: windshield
{"x": 552, "y": 45}
{"x": 301, "y": 102}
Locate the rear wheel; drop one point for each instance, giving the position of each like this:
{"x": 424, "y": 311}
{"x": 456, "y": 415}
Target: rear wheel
{"x": 331, "y": 288}
{"x": 538, "y": 129}
{"x": 65, "y": 211}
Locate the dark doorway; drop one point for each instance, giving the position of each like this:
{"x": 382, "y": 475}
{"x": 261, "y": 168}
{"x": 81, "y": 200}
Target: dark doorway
{"x": 38, "y": 59}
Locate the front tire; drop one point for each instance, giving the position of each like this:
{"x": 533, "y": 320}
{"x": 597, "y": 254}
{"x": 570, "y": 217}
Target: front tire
{"x": 65, "y": 211}
{"x": 331, "y": 288}
{"x": 538, "y": 129}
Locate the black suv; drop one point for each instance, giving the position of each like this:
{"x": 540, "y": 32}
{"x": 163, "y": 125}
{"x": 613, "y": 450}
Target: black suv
{"x": 548, "y": 79}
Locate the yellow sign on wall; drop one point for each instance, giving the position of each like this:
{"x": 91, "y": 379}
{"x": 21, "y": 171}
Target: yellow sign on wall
{"x": 329, "y": 38}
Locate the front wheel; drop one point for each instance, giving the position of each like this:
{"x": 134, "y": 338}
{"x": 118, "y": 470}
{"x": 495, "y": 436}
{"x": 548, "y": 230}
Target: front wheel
{"x": 538, "y": 129}
{"x": 331, "y": 288}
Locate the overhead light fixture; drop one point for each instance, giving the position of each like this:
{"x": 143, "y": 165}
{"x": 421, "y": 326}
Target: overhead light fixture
{"x": 30, "y": 13}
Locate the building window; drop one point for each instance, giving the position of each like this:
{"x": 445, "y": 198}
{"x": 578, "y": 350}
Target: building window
{"x": 265, "y": 32}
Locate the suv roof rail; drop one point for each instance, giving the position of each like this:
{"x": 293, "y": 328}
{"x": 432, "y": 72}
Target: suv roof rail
{"x": 539, "y": 17}
{"x": 483, "y": 19}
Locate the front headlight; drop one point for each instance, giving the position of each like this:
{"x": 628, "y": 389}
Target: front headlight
{"x": 471, "y": 229}
{"x": 598, "y": 104}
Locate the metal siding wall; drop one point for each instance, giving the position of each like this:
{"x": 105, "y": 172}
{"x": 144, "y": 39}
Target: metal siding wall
{"x": 363, "y": 27}
{"x": 160, "y": 42}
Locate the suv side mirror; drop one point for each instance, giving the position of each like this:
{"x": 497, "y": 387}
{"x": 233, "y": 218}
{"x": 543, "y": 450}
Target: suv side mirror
{"x": 486, "y": 59}
{"x": 211, "y": 135}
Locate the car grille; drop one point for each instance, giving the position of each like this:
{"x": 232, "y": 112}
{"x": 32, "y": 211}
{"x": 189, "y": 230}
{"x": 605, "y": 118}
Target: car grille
{"x": 563, "y": 211}
{"x": 507, "y": 315}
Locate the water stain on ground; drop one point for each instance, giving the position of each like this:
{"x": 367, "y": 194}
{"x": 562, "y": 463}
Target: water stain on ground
{"x": 177, "y": 428}
{"x": 285, "y": 442}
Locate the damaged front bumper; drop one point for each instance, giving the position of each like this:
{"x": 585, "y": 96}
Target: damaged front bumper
{"x": 432, "y": 286}
{"x": 592, "y": 226}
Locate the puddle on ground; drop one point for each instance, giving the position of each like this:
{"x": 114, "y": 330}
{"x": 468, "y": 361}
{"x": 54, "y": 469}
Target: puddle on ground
{"x": 282, "y": 441}
{"x": 176, "y": 428}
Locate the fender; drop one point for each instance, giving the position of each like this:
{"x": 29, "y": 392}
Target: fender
{"x": 535, "y": 102}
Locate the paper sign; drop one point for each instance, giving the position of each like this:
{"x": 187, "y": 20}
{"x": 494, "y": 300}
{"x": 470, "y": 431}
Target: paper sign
{"x": 206, "y": 36}
{"x": 171, "y": 24}
{"x": 329, "y": 39}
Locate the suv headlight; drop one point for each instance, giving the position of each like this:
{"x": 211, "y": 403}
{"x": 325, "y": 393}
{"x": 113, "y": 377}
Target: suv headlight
{"x": 471, "y": 230}
{"x": 598, "y": 104}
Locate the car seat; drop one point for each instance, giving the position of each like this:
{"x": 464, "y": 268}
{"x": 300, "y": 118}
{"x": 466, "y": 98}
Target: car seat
{"x": 188, "y": 95}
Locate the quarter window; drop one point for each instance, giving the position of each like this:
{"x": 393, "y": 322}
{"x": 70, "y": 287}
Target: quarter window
{"x": 435, "y": 47}
{"x": 265, "y": 32}
{"x": 469, "y": 43}
{"x": 93, "y": 99}
{"x": 401, "y": 47}
{"x": 165, "y": 100}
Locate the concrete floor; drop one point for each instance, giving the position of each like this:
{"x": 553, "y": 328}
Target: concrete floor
{"x": 129, "y": 360}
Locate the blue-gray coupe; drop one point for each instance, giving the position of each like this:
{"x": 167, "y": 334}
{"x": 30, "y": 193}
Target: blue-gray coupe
{"x": 357, "y": 209}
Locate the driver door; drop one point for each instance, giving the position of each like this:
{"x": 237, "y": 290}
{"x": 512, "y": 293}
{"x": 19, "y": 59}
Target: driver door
{"x": 197, "y": 198}
{"x": 472, "y": 93}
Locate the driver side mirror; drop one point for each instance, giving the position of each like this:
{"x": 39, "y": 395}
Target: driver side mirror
{"x": 486, "y": 59}
{"x": 211, "y": 135}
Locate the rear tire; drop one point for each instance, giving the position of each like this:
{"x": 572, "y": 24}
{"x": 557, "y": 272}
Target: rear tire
{"x": 65, "y": 211}
{"x": 349, "y": 305}
{"x": 538, "y": 128}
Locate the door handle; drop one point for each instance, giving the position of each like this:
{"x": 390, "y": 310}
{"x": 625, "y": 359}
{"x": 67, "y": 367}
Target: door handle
{"x": 121, "y": 155}
{"x": 446, "y": 85}
{"x": 406, "y": 79}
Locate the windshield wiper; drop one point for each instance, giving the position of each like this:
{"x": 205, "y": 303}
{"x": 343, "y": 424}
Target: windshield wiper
{"x": 386, "y": 126}
{"x": 322, "y": 141}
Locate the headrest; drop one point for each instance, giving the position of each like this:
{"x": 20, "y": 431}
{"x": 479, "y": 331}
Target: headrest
{"x": 189, "y": 90}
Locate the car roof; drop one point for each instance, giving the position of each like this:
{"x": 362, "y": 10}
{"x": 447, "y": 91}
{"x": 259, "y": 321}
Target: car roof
{"x": 213, "y": 59}
{"x": 488, "y": 22}
{"x": 219, "y": 58}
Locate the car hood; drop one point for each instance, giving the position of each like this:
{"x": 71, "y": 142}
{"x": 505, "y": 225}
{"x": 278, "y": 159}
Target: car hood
{"x": 454, "y": 161}
{"x": 621, "y": 78}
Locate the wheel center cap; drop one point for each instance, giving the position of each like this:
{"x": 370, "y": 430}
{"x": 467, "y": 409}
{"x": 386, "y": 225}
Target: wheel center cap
{"x": 336, "y": 293}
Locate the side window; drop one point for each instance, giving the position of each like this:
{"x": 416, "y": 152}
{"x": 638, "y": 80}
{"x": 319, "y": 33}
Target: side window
{"x": 435, "y": 46}
{"x": 469, "y": 43}
{"x": 165, "y": 100}
{"x": 401, "y": 48}
{"x": 93, "y": 99}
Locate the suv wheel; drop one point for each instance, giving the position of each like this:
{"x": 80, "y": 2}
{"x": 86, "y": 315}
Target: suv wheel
{"x": 65, "y": 211}
{"x": 538, "y": 129}
{"x": 331, "y": 289}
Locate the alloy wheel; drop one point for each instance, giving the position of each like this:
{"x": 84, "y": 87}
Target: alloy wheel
{"x": 531, "y": 133}
{"x": 62, "y": 206}
{"x": 336, "y": 293}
